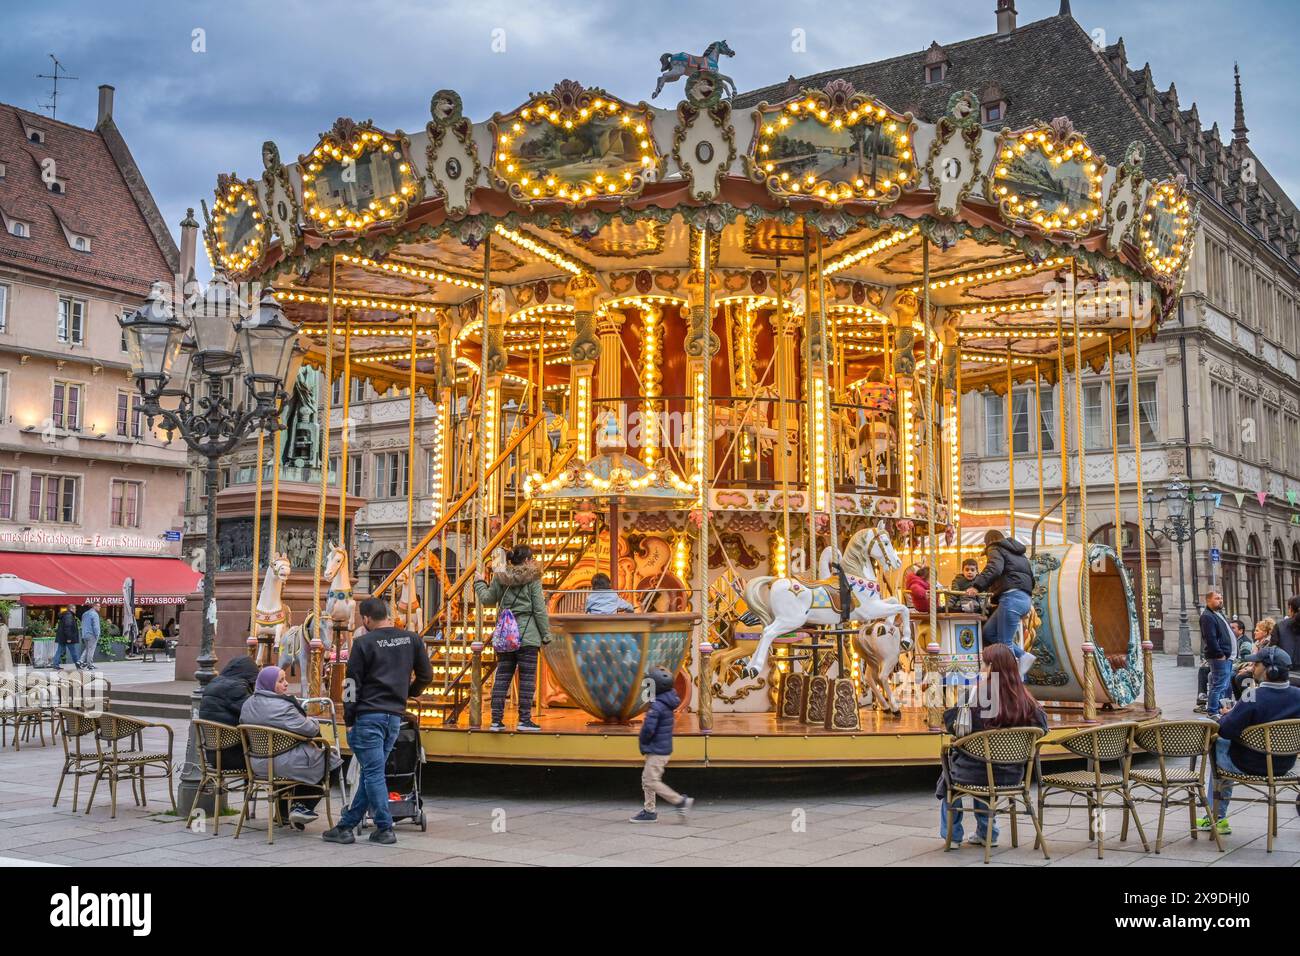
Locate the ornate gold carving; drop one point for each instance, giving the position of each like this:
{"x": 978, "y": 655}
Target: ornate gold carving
{"x": 353, "y": 200}
{"x": 835, "y": 145}
{"x": 446, "y": 170}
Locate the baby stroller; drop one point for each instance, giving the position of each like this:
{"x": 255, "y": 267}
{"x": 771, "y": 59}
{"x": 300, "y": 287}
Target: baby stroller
{"x": 403, "y": 774}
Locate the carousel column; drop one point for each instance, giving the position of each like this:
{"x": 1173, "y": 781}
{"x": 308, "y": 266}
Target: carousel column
{"x": 609, "y": 370}
{"x": 584, "y": 350}
{"x": 701, "y": 345}
{"x": 494, "y": 367}
{"x": 906, "y": 307}
{"x": 784, "y": 468}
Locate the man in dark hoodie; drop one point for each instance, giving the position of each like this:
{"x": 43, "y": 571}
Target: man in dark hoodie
{"x": 657, "y": 745}
{"x": 1008, "y": 577}
{"x": 386, "y": 666}
{"x": 222, "y": 701}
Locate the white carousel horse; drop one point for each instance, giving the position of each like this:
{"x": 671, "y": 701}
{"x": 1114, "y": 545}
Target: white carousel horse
{"x": 270, "y": 617}
{"x": 340, "y": 609}
{"x": 791, "y": 604}
{"x": 295, "y": 647}
{"x": 676, "y": 65}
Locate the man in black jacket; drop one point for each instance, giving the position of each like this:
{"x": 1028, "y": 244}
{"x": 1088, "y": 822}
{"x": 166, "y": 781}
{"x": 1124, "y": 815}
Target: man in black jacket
{"x": 386, "y": 666}
{"x": 1218, "y": 649}
{"x": 222, "y": 701}
{"x": 1287, "y": 637}
{"x": 1008, "y": 577}
{"x": 67, "y": 635}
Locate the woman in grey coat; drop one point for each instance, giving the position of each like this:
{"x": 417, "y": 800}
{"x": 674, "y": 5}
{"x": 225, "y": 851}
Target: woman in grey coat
{"x": 271, "y": 706}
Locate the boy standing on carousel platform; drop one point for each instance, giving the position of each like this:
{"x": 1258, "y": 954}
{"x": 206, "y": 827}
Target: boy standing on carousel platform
{"x": 657, "y": 745}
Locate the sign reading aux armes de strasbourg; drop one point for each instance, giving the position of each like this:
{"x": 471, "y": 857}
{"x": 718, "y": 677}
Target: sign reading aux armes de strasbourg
{"x": 71, "y": 541}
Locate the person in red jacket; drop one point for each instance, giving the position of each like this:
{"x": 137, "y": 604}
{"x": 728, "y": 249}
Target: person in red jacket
{"x": 917, "y": 582}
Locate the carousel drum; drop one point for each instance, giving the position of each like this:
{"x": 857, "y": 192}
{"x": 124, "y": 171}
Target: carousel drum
{"x": 1057, "y": 675}
{"x": 601, "y": 659}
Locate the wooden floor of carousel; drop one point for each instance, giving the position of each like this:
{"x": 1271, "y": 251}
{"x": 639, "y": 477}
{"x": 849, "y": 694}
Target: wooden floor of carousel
{"x": 569, "y": 737}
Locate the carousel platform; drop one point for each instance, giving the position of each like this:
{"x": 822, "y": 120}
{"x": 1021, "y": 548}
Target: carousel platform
{"x": 570, "y": 738}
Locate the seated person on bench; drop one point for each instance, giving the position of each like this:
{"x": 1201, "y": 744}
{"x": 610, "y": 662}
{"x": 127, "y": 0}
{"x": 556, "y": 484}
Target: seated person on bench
{"x": 604, "y": 600}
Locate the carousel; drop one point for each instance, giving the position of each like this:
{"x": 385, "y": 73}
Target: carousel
{"x": 719, "y": 355}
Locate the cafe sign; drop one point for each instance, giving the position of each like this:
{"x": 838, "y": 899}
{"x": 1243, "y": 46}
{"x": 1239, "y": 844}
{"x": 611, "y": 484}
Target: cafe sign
{"x": 69, "y": 541}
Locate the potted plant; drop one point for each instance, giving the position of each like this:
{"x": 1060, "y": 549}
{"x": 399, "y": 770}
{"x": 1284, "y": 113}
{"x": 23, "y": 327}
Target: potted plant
{"x": 112, "y": 645}
{"x": 41, "y": 631}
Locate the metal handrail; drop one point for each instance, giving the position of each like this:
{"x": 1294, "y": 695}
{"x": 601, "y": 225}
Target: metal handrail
{"x": 452, "y": 512}
{"x": 1033, "y": 531}
{"x": 506, "y": 528}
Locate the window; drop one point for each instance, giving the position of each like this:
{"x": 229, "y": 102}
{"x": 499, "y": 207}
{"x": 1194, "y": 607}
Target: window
{"x": 1096, "y": 424}
{"x": 1291, "y": 434}
{"x": 35, "y": 135}
{"x": 1250, "y": 437}
{"x": 1230, "y": 566}
{"x": 53, "y": 499}
{"x": 390, "y": 474}
{"x": 130, "y": 420}
{"x": 4, "y": 308}
{"x": 1242, "y": 292}
{"x": 995, "y": 425}
{"x": 1047, "y": 419}
{"x": 1254, "y": 563}
{"x": 356, "y": 391}
{"x": 8, "y": 492}
{"x": 355, "y": 473}
{"x": 4, "y": 397}
{"x": 20, "y": 229}
{"x": 1272, "y": 451}
{"x": 934, "y": 72}
{"x": 1148, "y": 413}
{"x": 992, "y": 112}
{"x": 65, "y": 410}
{"x": 1221, "y": 402}
{"x": 72, "y": 320}
{"x": 81, "y": 244}
{"x": 1217, "y": 272}
{"x": 126, "y": 504}
{"x": 1279, "y": 574}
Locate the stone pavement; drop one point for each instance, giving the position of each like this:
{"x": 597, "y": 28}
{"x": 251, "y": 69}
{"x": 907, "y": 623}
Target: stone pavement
{"x": 536, "y": 816}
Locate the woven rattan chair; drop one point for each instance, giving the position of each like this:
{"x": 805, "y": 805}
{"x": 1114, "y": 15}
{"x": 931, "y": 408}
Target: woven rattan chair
{"x": 222, "y": 780}
{"x": 1107, "y": 744}
{"x": 1280, "y": 738}
{"x": 120, "y": 741}
{"x": 1178, "y": 785}
{"x": 1008, "y": 746}
{"x": 82, "y": 691}
{"x": 77, "y": 731}
{"x": 19, "y": 710}
{"x": 267, "y": 743}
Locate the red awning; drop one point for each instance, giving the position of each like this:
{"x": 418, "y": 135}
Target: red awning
{"x": 82, "y": 578}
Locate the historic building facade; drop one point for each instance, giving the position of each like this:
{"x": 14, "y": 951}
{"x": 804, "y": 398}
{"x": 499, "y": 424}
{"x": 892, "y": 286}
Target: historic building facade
{"x": 84, "y": 481}
{"x": 1216, "y": 388}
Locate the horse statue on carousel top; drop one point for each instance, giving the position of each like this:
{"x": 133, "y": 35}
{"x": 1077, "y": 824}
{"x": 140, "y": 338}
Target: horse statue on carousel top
{"x": 788, "y": 604}
{"x": 677, "y": 65}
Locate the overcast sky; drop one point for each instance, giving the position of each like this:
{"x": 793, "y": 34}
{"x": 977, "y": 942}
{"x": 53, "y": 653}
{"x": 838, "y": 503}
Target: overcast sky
{"x": 285, "y": 69}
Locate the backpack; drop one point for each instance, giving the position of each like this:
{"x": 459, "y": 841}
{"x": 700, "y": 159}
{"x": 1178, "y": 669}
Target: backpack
{"x": 505, "y": 636}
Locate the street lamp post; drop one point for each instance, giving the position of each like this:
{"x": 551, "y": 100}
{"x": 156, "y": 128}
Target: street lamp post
{"x": 181, "y": 366}
{"x": 1180, "y": 526}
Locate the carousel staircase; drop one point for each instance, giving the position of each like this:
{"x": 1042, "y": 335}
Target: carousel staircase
{"x": 557, "y": 539}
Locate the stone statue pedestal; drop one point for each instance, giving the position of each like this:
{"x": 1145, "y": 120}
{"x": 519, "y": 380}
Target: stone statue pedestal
{"x": 234, "y": 585}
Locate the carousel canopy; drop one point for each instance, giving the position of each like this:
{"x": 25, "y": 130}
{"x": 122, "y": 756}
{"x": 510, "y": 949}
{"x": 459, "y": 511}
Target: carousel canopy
{"x": 577, "y": 200}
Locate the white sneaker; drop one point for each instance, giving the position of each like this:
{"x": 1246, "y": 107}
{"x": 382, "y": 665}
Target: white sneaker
{"x": 1026, "y": 661}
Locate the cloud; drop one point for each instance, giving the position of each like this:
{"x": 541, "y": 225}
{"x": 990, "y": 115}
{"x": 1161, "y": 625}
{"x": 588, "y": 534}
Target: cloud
{"x": 285, "y": 70}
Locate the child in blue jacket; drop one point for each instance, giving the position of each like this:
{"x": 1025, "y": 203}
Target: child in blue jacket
{"x": 603, "y": 599}
{"x": 657, "y": 745}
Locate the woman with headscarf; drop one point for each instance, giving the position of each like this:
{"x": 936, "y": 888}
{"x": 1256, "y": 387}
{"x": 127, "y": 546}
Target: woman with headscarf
{"x": 271, "y": 706}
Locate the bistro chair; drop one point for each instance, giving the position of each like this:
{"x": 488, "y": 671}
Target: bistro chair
{"x": 1176, "y": 784}
{"x": 19, "y": 711}
{"x": 217, "y": 738}
{"x": 74, "y": 690}
{"x": 1001, "y": 748}
{"x": 130, "y": 760}
{"x": 1107, "y": 744}
{"x": 1280, "y": 738}
{"x": 77, "y": 732}
{"x": 21, "y": 649}
{"x": 267, "y": 743}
